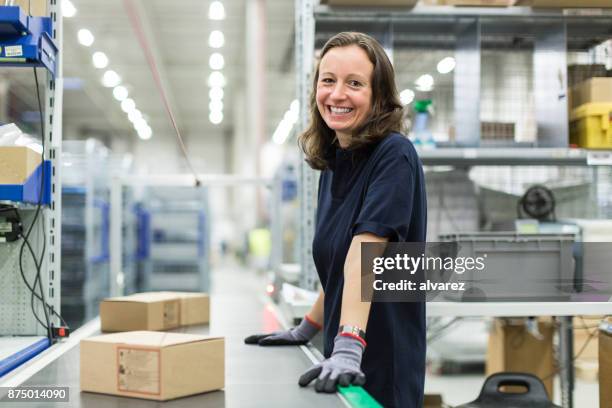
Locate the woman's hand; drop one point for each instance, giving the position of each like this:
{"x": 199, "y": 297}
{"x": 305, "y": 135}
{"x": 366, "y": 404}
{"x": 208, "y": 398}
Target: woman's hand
{"x": 342, "y": 368}
{"x": 296, "y": 336}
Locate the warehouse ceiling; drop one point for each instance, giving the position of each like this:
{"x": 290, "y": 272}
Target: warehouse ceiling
{"x": 177, "y": 32}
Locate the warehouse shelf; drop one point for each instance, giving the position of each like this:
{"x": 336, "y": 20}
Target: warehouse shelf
{"x": 463, "y": 157}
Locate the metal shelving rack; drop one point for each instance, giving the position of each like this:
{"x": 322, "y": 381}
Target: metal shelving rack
{"x": 16, "y": 318}
{"x": 550, "y": 33}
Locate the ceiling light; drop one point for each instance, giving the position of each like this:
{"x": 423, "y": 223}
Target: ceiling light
{"x": 424, "y": 83}
{"x": 140, "y": 124}
{"x": 85, "y": 37}
{"x": 215, "y": 93}
{"x": 446, "y": 65}
{"x": 145, "y": 133}
{"x": 68, "y": 9}
{"x": 216, "y": 79}
{"x": 134, "y": 115}
{"x": 216, "y": 11}
{"x": 215, "y": 117}
{"x": 406, "y": 96}
{"x": 216, "y": 39}
{"x": 128, "y": 105}
{"x": 295, "y": 106}
{"x": 100, "y": 60}
{"x": 111, "y": 79}
{"x": 216, "y": 61}
{"x": 215, "y": 105}
{"x": 120, "y": 93}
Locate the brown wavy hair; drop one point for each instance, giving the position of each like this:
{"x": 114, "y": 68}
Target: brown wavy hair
{"x": 385, "y": 116}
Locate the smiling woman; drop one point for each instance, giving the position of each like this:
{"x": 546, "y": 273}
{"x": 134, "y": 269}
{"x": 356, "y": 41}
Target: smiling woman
{"x": 371, "y": 189}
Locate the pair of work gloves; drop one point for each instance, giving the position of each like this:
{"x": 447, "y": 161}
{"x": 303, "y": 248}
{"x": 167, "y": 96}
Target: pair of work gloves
{"x": 342, "y": 368}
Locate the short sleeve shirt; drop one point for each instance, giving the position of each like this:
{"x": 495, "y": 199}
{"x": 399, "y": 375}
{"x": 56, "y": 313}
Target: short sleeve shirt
{"x": 380, "y": 191}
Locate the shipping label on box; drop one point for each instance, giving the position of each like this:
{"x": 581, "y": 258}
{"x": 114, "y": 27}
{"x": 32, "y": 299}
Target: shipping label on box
{"x": 144, "y": 364}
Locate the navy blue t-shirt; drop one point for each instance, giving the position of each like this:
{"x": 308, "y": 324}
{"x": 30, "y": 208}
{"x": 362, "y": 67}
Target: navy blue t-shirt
{"x": 382, "y": 191}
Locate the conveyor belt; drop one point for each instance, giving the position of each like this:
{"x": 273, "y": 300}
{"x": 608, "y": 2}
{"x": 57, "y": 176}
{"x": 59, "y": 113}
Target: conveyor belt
{"x": 255, "y": 376}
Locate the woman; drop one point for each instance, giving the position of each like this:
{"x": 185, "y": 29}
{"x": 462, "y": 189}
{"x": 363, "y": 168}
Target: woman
{"x": 371, "y": 190}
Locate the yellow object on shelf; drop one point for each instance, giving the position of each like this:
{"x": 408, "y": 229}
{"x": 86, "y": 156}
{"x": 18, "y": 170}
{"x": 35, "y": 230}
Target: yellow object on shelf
{"x": 591, "y": 126}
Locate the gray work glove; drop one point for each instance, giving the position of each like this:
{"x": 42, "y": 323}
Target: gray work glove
{"x": 342, "y": 368}
{"x": 296, "y": 336}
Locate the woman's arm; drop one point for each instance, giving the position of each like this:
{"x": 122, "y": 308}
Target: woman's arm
{"x": 316, "y": 311}
{"x": 354, "y": 311}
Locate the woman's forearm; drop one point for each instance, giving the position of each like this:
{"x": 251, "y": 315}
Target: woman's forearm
{"x": 316, "y": 311}
{"x": 354, "y": 311}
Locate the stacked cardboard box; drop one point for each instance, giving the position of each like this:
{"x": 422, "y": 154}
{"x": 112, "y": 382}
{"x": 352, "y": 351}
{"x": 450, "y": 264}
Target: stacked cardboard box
{"x": 605, "y": 364}
{"x": 152, "y": 365}
{"x": 593, "y": 90}
{"x": 512, "y": 348}
{"x": 17, "y": 163}
{"x": 371, "y": 3}
{"x": 154, "y": 311}
{"x": 577, "y": 73}
{"x": 36, "y": 8}
{"x": 586, "y": 342}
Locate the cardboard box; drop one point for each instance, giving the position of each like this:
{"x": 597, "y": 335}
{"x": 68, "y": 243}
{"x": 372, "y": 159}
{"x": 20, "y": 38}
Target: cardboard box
{"x": 17, "y": 163}
{"x": 153, "y": 311}
{"x": 478, "y": 3}
{"x": 584, "y": 326}
{"x": 512, "y": 348}
{"x": 371, "y": 3}
{"x": 195, "y": 308}
{"x": 605, "y": 364}
{"x": 33, "y": 7}
{"x": 152, "y": 365}
{"x": 569, "y": 3}
{"x": 593, "y": 90}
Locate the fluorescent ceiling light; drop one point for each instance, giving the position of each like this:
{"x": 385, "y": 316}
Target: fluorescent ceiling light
{"x": 140, "y": 124}
{"x": 100, "y": 60}
{"x": 424, "y": 83}
{"x": 216, "y": 79}
{"x": 291, "y": 117}
{"x": 128, "y": 105}
{"x": 446, "y": 65}
{"x": 216, "y": 11}
{"x": 215, "y": 117}
{"x": 295, "y": 106}
{"x": 120, "y": 93}
{"x": 216, "y": 61}
{"x": 215, "y": 93}
{"x": 216, "y": 39}
{"x": 111, "y": 79}
{"x": 134, "y": 116}
{"x": 215, "y": 105}
{"x": 68, "y": 9}
{"x": 145, "y": 133}
{"x": 407, "y": 96}
{"x": 85, "y": 37}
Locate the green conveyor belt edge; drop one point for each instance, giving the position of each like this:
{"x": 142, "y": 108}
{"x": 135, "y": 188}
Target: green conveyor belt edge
{"x": 357, "y": 397}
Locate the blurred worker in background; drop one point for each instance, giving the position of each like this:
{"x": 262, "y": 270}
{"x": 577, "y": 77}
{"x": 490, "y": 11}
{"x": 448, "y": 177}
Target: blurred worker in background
{"x": 371, "y": 189}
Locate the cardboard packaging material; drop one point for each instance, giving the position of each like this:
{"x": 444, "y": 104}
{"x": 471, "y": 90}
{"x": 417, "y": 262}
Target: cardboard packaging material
{"x": 594, "y": 90}
{"x": 568, "y": 3}
{"x": 152, "y": 365}
{"x": 195, "y": 308}
{"x": 17, "y": 163}
{"x": 512, "y": 348}
{"x": 371, "y": 3}
{"x": 605, "y": 364}
{"x": 586, "y": 340}
{"x": 577, "y": 73}
{"x": 478, "y": 3}
{"x": 37, "y": 8}
{"x": 154, "y": 311}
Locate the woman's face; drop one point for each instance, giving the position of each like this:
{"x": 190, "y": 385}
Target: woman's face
{"x": 344, "y": 90}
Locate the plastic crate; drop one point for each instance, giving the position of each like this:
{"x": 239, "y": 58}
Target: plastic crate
{"x": 591, "y": 126}
{"x": 518, "y": 267}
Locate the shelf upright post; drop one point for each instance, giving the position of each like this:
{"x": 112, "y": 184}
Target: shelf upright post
{"x": 51, "y": 269}
{"x": 467, "y": 84}
{"x": 550, "y": 83}
{"x": 304, "y": 54}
